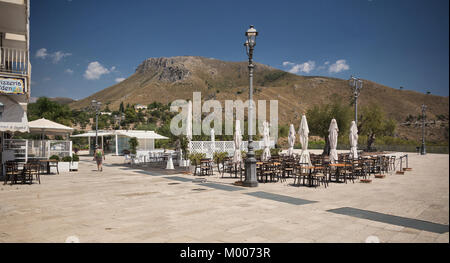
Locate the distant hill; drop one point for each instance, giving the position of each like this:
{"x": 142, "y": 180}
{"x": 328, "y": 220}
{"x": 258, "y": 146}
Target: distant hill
{"x": 166, "y": 79}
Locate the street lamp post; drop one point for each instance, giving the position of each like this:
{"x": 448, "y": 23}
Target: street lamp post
{"x": 423, "y": 148}
{"x": 356, "y": 84}
{"x": 250, "y": 163}
{"x": 96, "y": 106}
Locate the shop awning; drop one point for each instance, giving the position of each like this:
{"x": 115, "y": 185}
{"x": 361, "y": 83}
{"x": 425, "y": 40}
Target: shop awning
{"x": 141, "y": 134}
{"x": 13, "y": 117}
{"x": 48, "y": 127}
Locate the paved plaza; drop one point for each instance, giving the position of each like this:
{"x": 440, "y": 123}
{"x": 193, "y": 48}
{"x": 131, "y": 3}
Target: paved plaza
{"x": 123, "y": 204}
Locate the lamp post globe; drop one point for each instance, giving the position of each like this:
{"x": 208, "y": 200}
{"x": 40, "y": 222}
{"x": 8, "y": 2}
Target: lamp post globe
{"x": 356, "y": 84}
{"x": 250, "y": 163}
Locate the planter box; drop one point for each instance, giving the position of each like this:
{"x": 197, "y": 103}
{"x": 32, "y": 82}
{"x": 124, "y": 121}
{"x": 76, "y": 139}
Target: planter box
{"x": 184, "y": 163}
{"x": 74, "y": 166}
{"x": 62, "y": 167}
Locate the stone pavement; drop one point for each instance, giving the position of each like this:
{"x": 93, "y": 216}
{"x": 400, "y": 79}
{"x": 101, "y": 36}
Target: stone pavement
{"x": 123, "y": 204}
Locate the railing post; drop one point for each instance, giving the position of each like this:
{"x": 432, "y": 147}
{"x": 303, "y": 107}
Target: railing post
{"x": 26, "y": 151}
{"x": 70, "y": 148}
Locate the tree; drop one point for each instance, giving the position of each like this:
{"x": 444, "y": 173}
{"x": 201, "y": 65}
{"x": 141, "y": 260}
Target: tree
{"x": 45, "y": 108}
{"x": 319, "y": 119}
{"x": 373, "y": 123}
{"x": 133, "y": 142}
{"x": 121, "y": 108}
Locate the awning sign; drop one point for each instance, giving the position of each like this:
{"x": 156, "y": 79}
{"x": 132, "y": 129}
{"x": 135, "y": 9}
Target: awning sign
{"x": 12, "y": 86}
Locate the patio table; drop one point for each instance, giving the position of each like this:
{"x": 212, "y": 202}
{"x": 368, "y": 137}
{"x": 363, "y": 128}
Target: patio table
{"x": 338, "y": 167}
{"x": 48, "y": 162}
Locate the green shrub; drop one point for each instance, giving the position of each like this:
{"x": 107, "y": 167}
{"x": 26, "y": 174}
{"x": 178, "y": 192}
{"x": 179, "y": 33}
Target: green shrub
{"x": 54, "y": 157}
{"x": 275, "y": 151}
{"x": 258, "y": 153}
{"x": 133, "y": 142}
{"x": 218, "y": 157}
{"x": 67, "y": 159}
{"x": 75, "y": 158}
{"x": 196, "y": 157}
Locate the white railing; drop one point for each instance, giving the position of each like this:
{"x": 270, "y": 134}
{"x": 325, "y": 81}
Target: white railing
{"x": 13, "y": 60}
{"x": 21, "y": 150}
{"x": 210, "y": 147}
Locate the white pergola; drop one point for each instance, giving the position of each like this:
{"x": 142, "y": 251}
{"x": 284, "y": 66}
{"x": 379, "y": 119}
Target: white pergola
{"x": 146, "y": 138}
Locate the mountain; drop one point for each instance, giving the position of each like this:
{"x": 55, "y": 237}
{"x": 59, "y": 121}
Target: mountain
{"x": 167, "y": 79}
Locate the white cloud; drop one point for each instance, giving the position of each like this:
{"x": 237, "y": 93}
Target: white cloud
{"x": 119, "y": 79}
{"x": 68, "y": 71}
{"x": 95, "y": 70}
{"x": 58, "y": 55}
{"x": 306, "y": 67}
{"x": 339, "y": 66}
{"x": 287, "y": 63}
{"x": 42, "y": 53}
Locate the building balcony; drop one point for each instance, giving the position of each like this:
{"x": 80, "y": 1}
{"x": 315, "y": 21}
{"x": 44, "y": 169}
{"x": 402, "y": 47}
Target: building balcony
{"x": 14, "y": 61}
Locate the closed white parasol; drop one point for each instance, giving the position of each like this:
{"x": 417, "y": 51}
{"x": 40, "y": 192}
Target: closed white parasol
{"x": 291, "y": 140}
{"x": 353, "y": 141}
{"x": 237, "y": 158}
{"x": 303, "y": 132}
{"x": 333, "y": 138}
{"x": 266, "y": 138}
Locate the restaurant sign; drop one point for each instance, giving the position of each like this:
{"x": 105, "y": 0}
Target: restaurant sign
{"x": 12, "y": 85}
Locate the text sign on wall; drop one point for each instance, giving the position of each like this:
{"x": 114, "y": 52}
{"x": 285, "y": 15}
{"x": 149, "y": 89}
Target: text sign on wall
{"x": 12, "y": 86}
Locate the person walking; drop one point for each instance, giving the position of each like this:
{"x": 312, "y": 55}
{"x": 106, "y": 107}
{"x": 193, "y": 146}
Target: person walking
{"x": 99, "y": 157}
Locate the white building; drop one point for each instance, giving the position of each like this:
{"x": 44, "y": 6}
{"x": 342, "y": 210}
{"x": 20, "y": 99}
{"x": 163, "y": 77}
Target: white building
{"x": 140, "y": 107}
{"x": 15, "y": 67}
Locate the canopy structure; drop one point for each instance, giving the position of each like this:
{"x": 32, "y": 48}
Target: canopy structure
{"x": 353, "y": 140}
{"x": 13, "y": 117}
{"x": 146, "y": 139}
{"x": 291, "y": 140}
{"x": 266, "y": 139}
{"x": 333, "y": 137}
{"x": 141, "y": 134}
{"x": 304, "y": 139}
{"x": 237, "y": 157}
{"x": 45, "y": 126}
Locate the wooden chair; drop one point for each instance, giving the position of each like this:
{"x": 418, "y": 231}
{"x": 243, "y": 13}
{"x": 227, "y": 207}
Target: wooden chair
{"x": 12, "y": 171}
{"x": 206, "y": 167}
{"x": 301, "y": 173}
{"x": 319, "y": 175}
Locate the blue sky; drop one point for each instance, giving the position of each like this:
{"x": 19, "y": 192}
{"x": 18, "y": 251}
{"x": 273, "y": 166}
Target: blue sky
{"x": 79, "y": 47}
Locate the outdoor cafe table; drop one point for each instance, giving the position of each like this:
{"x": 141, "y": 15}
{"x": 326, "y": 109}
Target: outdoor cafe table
{"x": 47, "y": 162}
{"x": 338, "y": 167}
{"x": 260, "y": 166}
{"x": 310, "y": 169}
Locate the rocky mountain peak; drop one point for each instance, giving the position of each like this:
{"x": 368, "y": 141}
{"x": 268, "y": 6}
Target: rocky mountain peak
{"x": 166, "y": 69}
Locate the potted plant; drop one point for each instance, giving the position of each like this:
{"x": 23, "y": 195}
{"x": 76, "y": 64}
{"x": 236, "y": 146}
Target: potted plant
{"x": 64, "y": 164}
{"x": 195, "y": 160}
{"x": 218, "y": 158}
{"x": 184, "y": 146}
{"x": 133, "y": 142}
{"x": 74, "y": 163}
